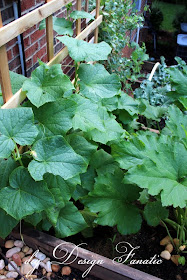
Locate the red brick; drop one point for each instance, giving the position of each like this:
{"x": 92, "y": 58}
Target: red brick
{"x": 14, "y": 63}
{"x": 37, "y": 35}
{"x": 29, "y": 63}
{"x": 31, "y": 50}
{"x": 29, "y": 31}
{"x": 11, "y": 43}
{"x": 18, "y": 70}
{"x": 9, "y": 54}
{"x": 15, "y": 50}
{"x": 26, "y": 5}
{"x": 44, "y": 58}
{"x": 42, "y": 41}
{"x": 39, "y": 54}
{"x": 27, "y": 41}
{"x": 40, "y": 1}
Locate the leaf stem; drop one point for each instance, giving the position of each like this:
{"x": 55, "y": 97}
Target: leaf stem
{"x": 76, "y": 76}
{"x": 18, "y": 156}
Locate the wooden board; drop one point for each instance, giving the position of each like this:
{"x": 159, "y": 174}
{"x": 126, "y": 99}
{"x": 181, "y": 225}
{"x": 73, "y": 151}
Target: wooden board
{"x": 96, "y": 16}
{"x": 49, "y": 35}
{"x": 106, "y": 271}
{"x": 17, "y": 27}
{"x": 4, "y": 71}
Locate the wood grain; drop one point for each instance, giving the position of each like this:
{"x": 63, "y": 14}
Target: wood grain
{"x": 4, "y": 71}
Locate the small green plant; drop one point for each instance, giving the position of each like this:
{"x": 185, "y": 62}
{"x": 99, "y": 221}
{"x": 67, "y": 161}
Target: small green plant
{"x": 119, "y": 19}
{"x": 168, "y": 86}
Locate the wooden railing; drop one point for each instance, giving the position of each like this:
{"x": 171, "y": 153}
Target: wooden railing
{"x": 17, "y": 27}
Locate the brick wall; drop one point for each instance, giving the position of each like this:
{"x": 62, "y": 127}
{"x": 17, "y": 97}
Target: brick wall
{"x": 34, "y": 40}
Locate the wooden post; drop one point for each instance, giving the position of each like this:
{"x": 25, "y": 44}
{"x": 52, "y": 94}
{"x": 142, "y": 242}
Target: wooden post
{"x": 4, "y": 72}
{"x": 96, "y": 16}
{"x": 49, "y": 36}
{"x": 87, "y": 10}
{"x": 78, "y": 22}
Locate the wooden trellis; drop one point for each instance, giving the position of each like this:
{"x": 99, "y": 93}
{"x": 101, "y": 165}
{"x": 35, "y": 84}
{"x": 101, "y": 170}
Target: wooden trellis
{"x": 17, "y": 27}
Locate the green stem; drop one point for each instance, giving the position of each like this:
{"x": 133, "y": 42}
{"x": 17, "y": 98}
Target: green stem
{"x": 18, "y": 156}
{"x": 168, "y": 233}
{"x": 14, "y": 155}
{"x": 76, "y": 75}
{"x": 182, "y": 230}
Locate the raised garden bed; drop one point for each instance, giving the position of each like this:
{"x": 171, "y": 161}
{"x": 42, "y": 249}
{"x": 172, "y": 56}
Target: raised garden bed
{"x": 106, "y": 271}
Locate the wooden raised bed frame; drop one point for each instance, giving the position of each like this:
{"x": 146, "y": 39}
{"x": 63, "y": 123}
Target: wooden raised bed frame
{"x": 106, "y": 271}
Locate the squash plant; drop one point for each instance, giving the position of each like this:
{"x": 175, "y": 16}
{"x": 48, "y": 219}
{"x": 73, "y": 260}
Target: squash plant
{"x": 83, "y": 143}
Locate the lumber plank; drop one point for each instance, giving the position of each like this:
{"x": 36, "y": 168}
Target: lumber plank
{"x": 96, "y": 16}
{"x": 78, "y": 21}
{"x": 49, "y": 35}
{"x": 107, "y": 270}
{"x": 4, "y": 71}
{"x": 17, "y": 27}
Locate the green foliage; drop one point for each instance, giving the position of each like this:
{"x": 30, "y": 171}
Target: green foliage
{"x": 61, "y": 25}
{"x": 80, "y": 14}
{"x": 80, "y": 50}
{"x": 47, "y": 84}
{"x": 16, "y": 83}
{"x": 168, "y": 86}
{"x": 119, "y": 17}
{"x": 83, "y": 144}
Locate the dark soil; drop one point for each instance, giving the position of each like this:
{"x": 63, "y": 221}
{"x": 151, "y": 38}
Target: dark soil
{"x": 149, "y": 241}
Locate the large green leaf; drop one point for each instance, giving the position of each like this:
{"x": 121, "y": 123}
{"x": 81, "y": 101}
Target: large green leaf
{"x": 95, "y": 120}
{"x": 7, "y": 224}
{"x": 114, "y": 201}
{"x": 82, "y": 51}
{"x": 24, "y": 196}
{"x": 34, "y": 219}
{"x": 16, "y": 126}
{"x": 154, "y": 212}
{"x": 128, "y": 104}
{"x": 133, "y": 151}
{"x": 17, "y": 81}
{"x": 62, "y": 190}
{"x": 86, "y": 115}
{"x": 103, "y": 163}
{"x": 176, "y": 124}
{"x": 164, "y": 174}
{"x": 179, "y": 82}
{"x": 80, "y": 14}
{"x": 61, "y": 25}
{"x": 6, "y": 168}
{"x": 81, "y": 146}
{"x": 56, "y": 117}
{"x": 54, "y": 155}
{"x": 112, "y": 129}
{"x": 96, "y": 82}
{"x": 47, "y": 84}
{"x": 151, "y": 112}
{"x": 70, "y": 221}
{"x": 87, "y": 184}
